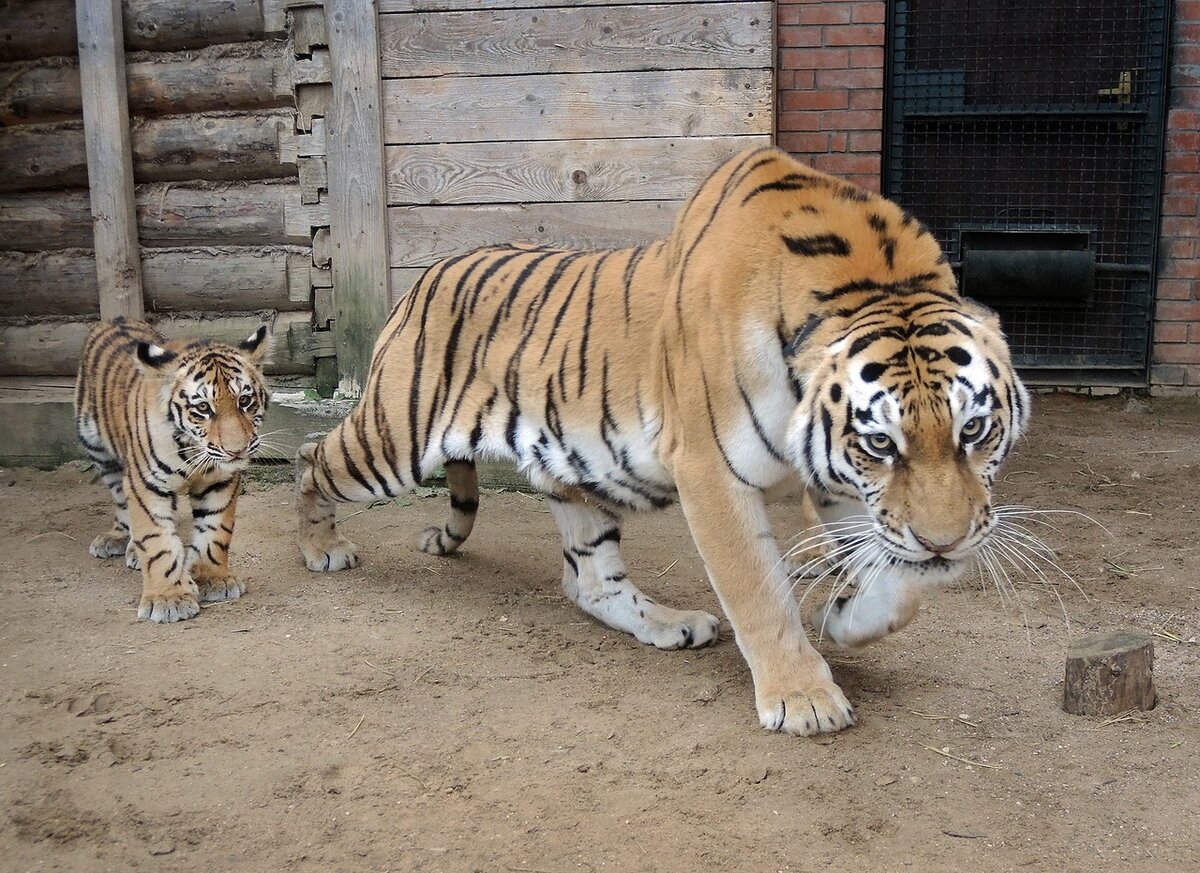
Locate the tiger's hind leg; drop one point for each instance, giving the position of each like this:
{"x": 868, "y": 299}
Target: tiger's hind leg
{"x": 116, "y": 542}
{"x": 594, "y": 577}
{"x": 464, "y": 504}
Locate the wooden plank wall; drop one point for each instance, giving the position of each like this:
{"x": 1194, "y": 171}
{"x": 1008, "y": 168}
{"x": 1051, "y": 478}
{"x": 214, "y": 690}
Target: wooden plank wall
{"x": 578, "y": 124}
{"x": 226, "y": 236}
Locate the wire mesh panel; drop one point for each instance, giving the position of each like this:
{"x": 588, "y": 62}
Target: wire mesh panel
{"x": 1031, "y": 118}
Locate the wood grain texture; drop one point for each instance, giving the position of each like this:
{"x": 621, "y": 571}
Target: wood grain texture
{"x": 253, "y": 213}
{"x": 1107, "y": 674}
{"x": 669, "y": 103}
{"x": 109, "y": 157}
{"x": 38, "y": 28}
{"x": 229, "y": 278}
{"x": 422, "y": 235}
{"x": 464, "y": 5}
{"x": 171, "y": 149}
{"x": 358, "y": 228}
{"x": 584, "y": 39}
{"x": 50, "y": 347}
{"x": 550, "y": 172}
{"x": 47, "y": 92}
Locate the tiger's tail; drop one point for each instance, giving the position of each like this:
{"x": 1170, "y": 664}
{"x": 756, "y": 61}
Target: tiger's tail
{"x": 464, "y": 505}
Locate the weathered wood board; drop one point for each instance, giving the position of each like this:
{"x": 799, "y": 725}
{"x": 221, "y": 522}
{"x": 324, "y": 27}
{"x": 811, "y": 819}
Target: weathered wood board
{"x": 563, "y": 106}
{"x": 422, "y": 235}
{"x": 585, "y": 39}
{"x": 550, "y": 172}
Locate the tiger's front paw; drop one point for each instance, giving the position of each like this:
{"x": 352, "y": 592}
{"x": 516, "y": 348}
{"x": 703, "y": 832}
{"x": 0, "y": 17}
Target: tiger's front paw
{"x": 176, "y": 603}
{"x": 678, "y": 628}
{"x": 329, "y": 557}
{"x": 217, "y": 587}
{"x": 109, "y": 545}
{"x": 821, "y": 708}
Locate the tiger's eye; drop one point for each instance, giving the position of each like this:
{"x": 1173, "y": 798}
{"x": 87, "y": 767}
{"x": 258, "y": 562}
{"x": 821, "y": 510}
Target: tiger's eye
{"x": 246, "y": 401}
{"x": 881, "y": 443}
{"x": 973, "y": 429}
{"x": 202, "y": 408}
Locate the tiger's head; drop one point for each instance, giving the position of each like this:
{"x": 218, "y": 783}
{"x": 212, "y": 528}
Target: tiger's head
{"x": 215, "y": 397}
{"x": 908, "y": 410}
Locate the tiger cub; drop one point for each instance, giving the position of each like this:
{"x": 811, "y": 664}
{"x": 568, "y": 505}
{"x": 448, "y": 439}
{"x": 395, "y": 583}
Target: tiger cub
{"x": 791, "y": 328}
{"x": 163, "y": 420}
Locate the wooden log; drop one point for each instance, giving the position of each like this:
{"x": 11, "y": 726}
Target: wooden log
{"x": 588, "y": 39}
{"x": 38, "y": 28}
{"x": 50, "y": 347}
{"x": 230, "y": 279}
{"x": 569, "y": 106}
{"x": 1109, "y": 674}
{"x": 358, "y": 226}
{"x": 109, "y": 157}
{"x": 251, "y": 213}
{"x": 49, "y": 91}
{"x": 543, "y": 172}
{"x": 176, "y": 148}
{"x": 422, "y": 235}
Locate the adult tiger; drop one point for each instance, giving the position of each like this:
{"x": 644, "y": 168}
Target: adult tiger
{"x": 162, "y": 420}
{"x": 790, "y": 323}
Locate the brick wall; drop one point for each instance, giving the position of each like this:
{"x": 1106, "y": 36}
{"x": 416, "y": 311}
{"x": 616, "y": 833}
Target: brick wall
{"x": 830, "y": 111}
{"x": 1176, "y": 356}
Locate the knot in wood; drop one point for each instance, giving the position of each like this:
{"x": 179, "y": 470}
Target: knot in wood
{"x": 579, "y": 177}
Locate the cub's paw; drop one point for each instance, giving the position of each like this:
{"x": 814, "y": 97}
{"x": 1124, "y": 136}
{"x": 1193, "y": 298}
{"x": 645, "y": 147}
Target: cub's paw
{"x": 819, "y": 709}
{"x": 435, "y": 541}
{"x": 131, "y": 557}
{"x": 678, "y": 629}
{"x": 109, "y": 545}
{"x": 329, "y": 557}
{"x": 218, "y": 589}
{"x": 176, "y": 603}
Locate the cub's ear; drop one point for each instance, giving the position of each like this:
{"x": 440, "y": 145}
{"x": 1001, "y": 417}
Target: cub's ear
{"x": 983, "y": 314}
{"x": 153, "y": 356}
{"x": 257, "y": 345}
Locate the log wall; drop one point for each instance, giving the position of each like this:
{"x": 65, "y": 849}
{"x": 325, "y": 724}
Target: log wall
{"x": 225, "y": 234}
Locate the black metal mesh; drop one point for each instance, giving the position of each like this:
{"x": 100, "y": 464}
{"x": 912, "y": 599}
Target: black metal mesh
{"x": 1034, "y": 115}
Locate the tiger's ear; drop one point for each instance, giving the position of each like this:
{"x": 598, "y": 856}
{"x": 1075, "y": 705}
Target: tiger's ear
{"x": 257, "y": 345}
{"x": 153, "y": 356}
{"x": 983, "y": 314}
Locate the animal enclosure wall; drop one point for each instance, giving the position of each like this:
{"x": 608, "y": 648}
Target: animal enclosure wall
{"x": 225, "y": 236}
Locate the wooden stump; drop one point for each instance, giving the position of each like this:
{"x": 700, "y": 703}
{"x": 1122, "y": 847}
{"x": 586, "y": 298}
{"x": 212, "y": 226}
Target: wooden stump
{"x": 1109, "y": 674}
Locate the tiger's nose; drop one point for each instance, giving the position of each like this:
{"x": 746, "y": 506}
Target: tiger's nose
{"x": 936, "y": 547}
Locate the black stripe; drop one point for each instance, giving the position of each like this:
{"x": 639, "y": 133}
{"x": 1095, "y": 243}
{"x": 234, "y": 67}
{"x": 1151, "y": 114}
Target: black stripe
{"x": 818, "y": 244}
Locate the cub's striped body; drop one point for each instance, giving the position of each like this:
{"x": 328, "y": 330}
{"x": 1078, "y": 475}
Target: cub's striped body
{"x": 791, "y": 327}
{"x": 164, "y": 420}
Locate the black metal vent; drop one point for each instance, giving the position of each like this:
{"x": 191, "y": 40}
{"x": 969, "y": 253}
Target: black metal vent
{"x": 1035, "y": 118}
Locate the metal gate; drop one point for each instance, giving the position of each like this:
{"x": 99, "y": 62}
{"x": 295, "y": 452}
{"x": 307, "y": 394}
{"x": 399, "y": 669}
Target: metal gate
{"x": 1028, "y": 136}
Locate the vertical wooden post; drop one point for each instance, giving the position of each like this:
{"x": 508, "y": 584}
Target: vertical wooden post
{"x": 109, "y": 157}
{"x": 357, "y": 212}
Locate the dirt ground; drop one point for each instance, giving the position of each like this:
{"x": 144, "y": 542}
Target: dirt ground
{"x": 431, "y": 714}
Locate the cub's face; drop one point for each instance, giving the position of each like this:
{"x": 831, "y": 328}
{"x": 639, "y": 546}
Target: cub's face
{"x": 901, "y": 432}
{"x": 216, "y": 397}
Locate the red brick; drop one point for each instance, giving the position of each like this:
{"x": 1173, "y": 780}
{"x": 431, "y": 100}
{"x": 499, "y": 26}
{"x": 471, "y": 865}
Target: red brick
{"x": 793, "y": 37}
{"x": 1174, "y": 226}
{"x": 803, "y": 121}
{"x": 1177, "y": 354}
{"x": 866, "y": 58}
{"x": 1183, "y": 141}
{"x": 852, "y": 119}
{"x": 814, "y": 59}
{"x": 1170, "y": 248}
{"x": 1170, "y": 332}
{"x": 1187, "y": 32}
{"x": 814, "y": 100}
{"x": 1175, "y": 289}
{"x": 1182, "y": 183}
{"x": 787, "y": 14}
{"x": 804, "y": 143}
{"x": 845, "y": 165}
{"x": 1178, "y": 310}
{"x": 1187, "y": 10}
{"x": 870, "y": 183}
{"x": 866, "y": 141}
{"x": 1183, "y": 119}
{"x": 869, "y": 13}
{"x": 854, "y": 34}
{"x": 866, "y": 98}
{"x": 825, "y": 14}
{"x": 837, "y": 142}
{"x": 1186, "y": 55}
{"x": 1183, "y": 75}
{"x": 1185, "y": 97}
{"x": 1194, "y": 333}
{"x": 854, "y": 79}
{"x": 1168, "y": 375}
{"x": 1180, "y": 269}
{"x": 1180, "y": 204}
{"x": 1182, "y": 162}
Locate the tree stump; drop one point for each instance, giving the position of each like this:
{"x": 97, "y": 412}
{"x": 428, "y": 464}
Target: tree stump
{"x": 1110, "y": 673}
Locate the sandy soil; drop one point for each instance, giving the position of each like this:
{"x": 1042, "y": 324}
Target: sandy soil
{"x": 433, "y": 714}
